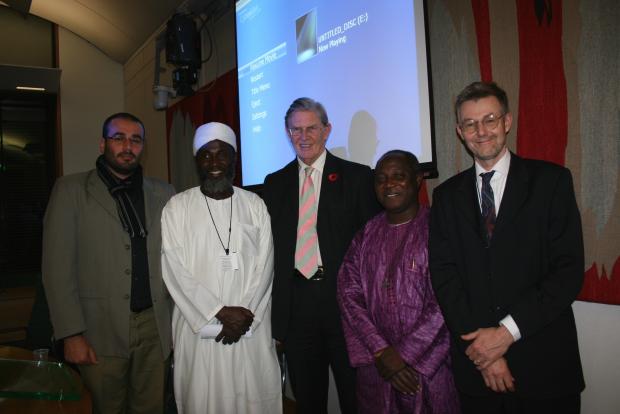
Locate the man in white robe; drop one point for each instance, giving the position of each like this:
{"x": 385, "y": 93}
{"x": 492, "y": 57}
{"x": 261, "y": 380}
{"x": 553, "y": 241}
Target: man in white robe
{"x": 217, "y": 263}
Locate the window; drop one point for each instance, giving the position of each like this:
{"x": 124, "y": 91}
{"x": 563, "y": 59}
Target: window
{"x": 27, "y": 142}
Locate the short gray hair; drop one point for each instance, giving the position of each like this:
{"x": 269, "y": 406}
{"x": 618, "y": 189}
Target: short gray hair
{"x": 306, "y": 104}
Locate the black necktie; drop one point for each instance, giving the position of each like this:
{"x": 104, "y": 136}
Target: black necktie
{"x": 487, "y": 203}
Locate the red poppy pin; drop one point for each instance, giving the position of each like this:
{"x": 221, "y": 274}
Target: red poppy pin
{"x": 332, "y": 177}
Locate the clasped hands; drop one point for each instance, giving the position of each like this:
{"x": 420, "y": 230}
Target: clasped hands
{"x": 486, "y": 351}
{"x": 394, "y": 369}
{"x": 236, "y": 321}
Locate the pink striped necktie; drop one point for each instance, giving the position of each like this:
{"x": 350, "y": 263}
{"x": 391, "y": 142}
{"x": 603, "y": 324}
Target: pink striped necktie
{"x": 307, "y": 249}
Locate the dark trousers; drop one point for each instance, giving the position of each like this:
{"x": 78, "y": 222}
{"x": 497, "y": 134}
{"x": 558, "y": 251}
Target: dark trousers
{"x": 314, "y": 343}
{"x": 511, "y": 404}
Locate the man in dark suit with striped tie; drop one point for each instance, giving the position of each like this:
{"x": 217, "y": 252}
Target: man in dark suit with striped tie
{"x": 317, "y": 202}
{"x": 506, "y": 260}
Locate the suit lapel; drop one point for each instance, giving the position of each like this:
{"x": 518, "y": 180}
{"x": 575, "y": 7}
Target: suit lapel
{"x": 467, "y": 199}
{"x": 290, "y": 204}
{"x": 151, "y": 201}
{"x": 99, "y": 192}
{"x": 291, "y": 189}
{"x": 331, "y": 194}
{"x": 331, "y": 183}
{"x": 515, "y": 194}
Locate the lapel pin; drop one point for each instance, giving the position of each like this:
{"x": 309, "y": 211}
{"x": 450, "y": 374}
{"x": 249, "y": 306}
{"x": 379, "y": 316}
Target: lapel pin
{"x": 332, "y": 177}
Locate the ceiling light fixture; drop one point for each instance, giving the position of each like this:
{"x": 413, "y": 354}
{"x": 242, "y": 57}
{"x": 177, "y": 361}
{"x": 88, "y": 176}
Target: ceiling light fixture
{"x": 30, "y": 88}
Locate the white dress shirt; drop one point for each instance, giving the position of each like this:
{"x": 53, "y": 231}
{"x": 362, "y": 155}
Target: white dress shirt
{"x": 498, "y": 184}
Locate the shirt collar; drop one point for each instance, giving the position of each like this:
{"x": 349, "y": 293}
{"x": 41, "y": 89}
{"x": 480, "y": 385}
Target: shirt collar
{"x": 500, "y": 167}
{"x": 318, "y": 164}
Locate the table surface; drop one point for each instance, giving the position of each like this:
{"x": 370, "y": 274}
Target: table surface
{"x": 23, "y": 406}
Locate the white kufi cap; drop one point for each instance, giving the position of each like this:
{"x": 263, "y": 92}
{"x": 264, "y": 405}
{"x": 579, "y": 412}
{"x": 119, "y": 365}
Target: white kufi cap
{"x": 212, "y": 131}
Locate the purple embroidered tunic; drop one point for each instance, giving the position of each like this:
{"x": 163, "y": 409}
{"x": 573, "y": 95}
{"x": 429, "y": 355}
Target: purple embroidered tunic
{"x": 386, "y": 298}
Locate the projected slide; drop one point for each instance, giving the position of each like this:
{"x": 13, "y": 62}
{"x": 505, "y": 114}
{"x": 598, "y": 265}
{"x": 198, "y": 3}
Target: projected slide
{"x": 364, "y": 60}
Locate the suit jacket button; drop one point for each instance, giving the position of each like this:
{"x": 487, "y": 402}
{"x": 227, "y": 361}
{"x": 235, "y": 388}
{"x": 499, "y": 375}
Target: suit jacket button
{"x": 127, "y": 247}
{"x": 127, "y": 271}
{"x": 126, "y": 296}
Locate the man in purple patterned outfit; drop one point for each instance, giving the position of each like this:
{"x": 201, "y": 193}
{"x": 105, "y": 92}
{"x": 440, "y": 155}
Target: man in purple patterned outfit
{"x": 395, "y": 332}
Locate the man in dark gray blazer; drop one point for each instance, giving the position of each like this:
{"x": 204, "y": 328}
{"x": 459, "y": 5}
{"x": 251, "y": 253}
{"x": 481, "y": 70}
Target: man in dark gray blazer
{"x": 308, "y": 251}
{"x": 102, "y": 273}
{"x": 506, "y": 260}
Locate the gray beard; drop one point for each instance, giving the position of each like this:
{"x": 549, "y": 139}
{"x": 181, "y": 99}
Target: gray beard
{"x": 218, "y": 185}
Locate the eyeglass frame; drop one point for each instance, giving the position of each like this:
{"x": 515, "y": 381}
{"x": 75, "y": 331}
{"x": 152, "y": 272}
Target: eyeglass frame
{"x": 489, "y": 124}
{"x": 297, "y": 132}
{"x": 121, "y": 138}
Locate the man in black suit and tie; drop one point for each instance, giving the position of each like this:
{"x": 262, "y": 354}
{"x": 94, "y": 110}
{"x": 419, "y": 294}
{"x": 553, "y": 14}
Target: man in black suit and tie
{"x": 506, "y": 259}
{"x": 317, "y": 203}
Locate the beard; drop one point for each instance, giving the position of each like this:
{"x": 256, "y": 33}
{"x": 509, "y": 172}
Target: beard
{"x": 119, "y": 167}
{"x": 219, "y": 185}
